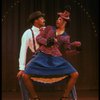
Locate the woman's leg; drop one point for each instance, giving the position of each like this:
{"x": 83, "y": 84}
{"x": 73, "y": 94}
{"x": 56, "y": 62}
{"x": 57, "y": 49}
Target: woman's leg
{"x": 71, "y": 83}
{"x": 29, "y": 85}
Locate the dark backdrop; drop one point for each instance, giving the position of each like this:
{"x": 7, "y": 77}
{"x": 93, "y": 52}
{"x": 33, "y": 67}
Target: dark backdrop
{"x": 83, "y": 27}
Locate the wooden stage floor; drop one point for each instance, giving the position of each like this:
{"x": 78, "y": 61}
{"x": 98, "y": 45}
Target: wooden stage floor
{"x": 53, "y": 95}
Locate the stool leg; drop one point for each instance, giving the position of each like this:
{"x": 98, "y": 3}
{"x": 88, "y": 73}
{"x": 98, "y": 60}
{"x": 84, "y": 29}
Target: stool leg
{"x": 24, "y": 92}
{"x": 73, "y": 94}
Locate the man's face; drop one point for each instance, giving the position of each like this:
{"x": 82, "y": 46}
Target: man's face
{"x": 41, "y": 21}
{"x": 59, "y": 22}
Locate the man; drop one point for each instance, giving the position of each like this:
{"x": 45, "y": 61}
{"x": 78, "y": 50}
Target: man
{"x": 37, "y": 20}
{"x": 49, "y": 61}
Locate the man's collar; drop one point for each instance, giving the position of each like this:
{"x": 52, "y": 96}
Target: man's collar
{"x": 35, "y": 28}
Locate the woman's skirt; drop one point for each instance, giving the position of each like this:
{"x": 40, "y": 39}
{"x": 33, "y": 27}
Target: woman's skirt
{"x": 45, "y": 65}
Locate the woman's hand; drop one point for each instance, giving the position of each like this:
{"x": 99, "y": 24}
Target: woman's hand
{"x": 50, "y": 42}
{"x": 76, "y": 43}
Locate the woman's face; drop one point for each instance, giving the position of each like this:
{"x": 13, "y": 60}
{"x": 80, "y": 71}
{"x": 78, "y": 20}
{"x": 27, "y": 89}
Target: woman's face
{"x": 59, "y": 22}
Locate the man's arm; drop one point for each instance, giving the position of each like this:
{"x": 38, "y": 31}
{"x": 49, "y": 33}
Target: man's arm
{"x": 23, "y": 52}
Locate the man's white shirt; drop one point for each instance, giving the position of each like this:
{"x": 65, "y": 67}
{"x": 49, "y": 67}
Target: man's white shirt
{"x": 27, "y": 41}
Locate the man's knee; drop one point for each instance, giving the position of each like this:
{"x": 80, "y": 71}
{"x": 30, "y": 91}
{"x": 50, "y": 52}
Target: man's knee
{"x": 74, "y": 75}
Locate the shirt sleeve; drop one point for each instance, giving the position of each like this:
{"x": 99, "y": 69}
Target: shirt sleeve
{"x": 41, "y": 38}
{"x": 66, "y": 41}
{"x": 23, "y": 50}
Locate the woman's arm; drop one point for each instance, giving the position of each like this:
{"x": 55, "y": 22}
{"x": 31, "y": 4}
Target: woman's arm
{"x": 46, "y": 37}
{"x": 41, "y": 38}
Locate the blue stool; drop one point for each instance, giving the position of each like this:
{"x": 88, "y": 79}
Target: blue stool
{"x": 25, "y": 94}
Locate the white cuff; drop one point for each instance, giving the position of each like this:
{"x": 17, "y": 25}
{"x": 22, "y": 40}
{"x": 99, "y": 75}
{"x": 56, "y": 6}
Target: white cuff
{"x": 22, "y": 67}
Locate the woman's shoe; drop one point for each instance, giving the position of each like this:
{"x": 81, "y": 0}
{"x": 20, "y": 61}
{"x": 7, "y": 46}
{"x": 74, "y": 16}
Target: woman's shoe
{"x": 66, "y": 98}
{"x": 36, "y": 98}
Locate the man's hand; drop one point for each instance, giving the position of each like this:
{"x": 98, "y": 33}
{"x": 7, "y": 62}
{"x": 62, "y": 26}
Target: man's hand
{"x": 20, "y": 73}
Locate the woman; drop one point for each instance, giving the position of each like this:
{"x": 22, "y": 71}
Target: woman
{"x": 49, "y": 61}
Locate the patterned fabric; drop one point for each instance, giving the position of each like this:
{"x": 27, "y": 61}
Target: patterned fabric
{"x": 62, "y": 40}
